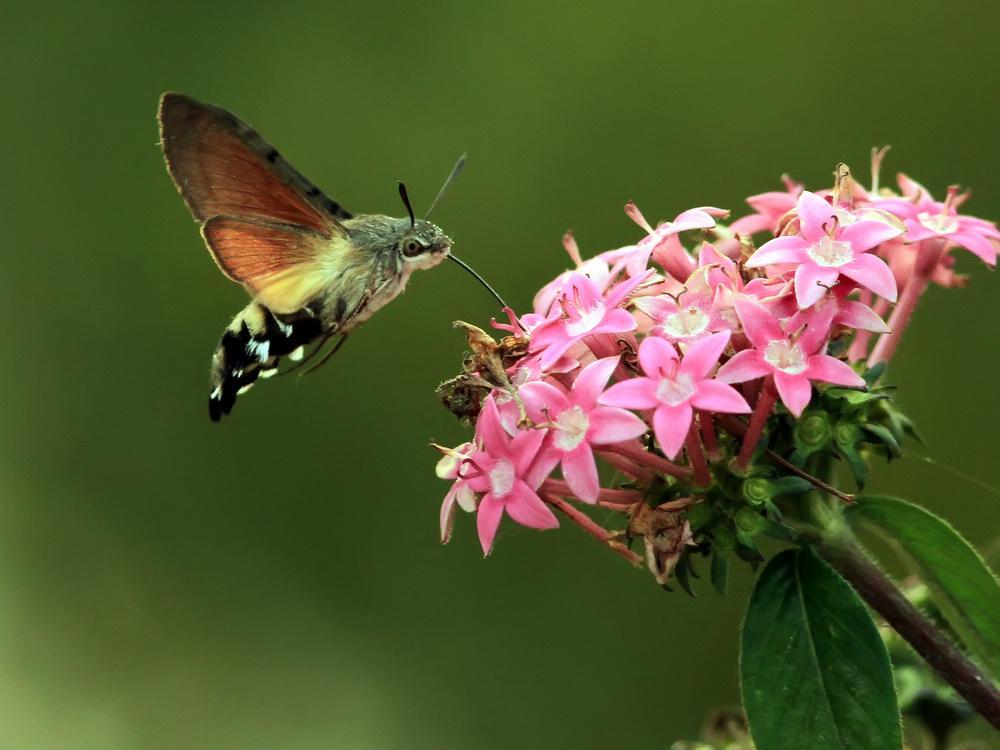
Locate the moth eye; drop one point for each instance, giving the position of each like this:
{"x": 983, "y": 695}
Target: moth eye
{"x": 412, "y": 247}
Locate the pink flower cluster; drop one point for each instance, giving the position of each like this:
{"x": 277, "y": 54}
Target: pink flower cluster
{"x": 637, "y": 355}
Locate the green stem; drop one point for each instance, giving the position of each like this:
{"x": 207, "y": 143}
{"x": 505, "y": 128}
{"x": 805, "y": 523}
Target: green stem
{"x": 841, "y": 551}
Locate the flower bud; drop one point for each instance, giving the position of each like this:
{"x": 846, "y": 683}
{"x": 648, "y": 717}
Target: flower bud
{"x": 749, "y": 522}
{"x": 756, "y": 491}
{"x": 813, "y": 431}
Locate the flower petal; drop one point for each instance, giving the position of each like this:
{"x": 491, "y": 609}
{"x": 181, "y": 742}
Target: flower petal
{"x": 978, "y": 245}
{"x": 872, "y": 273}
{"x": 525, "y": 507}
{"x": 637, "y": 393}
{"x": 615, "y": 321}
{"x": 656, "y": 356}
{"x": 610, "y": 425}
{"x": 831, "y": 370}
{"x": 524, "y": 447}
{"x": 812, "y": 282}
{"x": 859, "y": 315}
{"x": 715, "y": 396}
{"x": 748, "y": 364}
{"x": 795, "y": 391}
{"x": 671, "y": 425}
{"x": 488, "y": 520}
{"x": 580, "y": 472}
{"x": 591, "y": 381}
{"x": 540, "y": 397}
{"x": 490, "y": 431}
{"x": 868, "y": 233}
{"x": 760, "y": 326}
{"x": 701, "y": 356}
{"x": 813, "y": 213}
{"x": 790, "y": 249}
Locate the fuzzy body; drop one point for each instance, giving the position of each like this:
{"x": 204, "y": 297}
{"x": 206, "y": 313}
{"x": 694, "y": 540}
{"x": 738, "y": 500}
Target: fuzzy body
{"x": 312, "y": 268}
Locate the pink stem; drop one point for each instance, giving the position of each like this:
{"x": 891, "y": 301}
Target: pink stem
{"x": 697, "y": 458}
{"x": 761, "y": 411}
{"x": 594, "y": 529}
{"x": 708, "y": 436}
{"x": 628, "y": 467}
{"x": 927, "y": 259}
{"x": 645, "y": 458}
{"x": 606, "y": 493}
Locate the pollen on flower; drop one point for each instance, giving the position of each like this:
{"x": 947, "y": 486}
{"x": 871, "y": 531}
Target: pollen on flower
{"x": 830, "y": 253}
{"x": 675, "y": 390}
{"x": 581, "y": 320}
{"x": 785, "y": 356}
{"x": 502, "y": 476}
{"x": 625, "y": 384}
{"x": 685, "y": 323}
{"x": 571, "y": 428}
{"x": 940, "y": 223}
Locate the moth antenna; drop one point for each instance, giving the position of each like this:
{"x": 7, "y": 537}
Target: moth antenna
{"x": 478, "y": 278}
{"x": 406, "y": 202}
{"x": 455, "y": 172}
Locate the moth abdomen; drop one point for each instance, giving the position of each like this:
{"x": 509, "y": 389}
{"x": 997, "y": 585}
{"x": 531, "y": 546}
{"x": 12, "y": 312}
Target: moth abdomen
{"x": 252, "y": 347}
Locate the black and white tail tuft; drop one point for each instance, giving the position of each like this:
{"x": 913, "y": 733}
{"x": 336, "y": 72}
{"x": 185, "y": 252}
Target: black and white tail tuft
{"x": 251, "y": 347}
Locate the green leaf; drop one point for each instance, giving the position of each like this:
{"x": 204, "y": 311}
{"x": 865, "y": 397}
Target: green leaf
{"x": 963, "y": 588}
{"x": 813, "y": 670}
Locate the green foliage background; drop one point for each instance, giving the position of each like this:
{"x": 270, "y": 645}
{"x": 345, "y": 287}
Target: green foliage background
{"x": 276, "y": 580}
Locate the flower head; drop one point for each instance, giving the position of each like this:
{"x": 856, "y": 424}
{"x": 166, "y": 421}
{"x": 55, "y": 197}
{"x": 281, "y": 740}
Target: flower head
{"x": 673, "y": 387}
{"x": 793, "y": 360}
{"x": 831, "y": 242}
{"x": 576, "y": 423}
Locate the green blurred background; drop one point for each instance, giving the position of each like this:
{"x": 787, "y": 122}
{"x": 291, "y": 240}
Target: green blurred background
{"x": 276, "y": 580}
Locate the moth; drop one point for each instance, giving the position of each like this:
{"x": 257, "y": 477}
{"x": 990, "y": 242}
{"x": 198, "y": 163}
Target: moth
{"x": 314, "y": 271}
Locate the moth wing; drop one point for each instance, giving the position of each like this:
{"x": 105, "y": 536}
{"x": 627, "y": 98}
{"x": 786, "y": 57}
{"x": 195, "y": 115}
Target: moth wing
{"x": 283, "y": 266}
{"x": 223, "y": 167}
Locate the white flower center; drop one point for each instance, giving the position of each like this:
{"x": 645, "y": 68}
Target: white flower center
{"x": 938, "y": 223}
{"x": 581, "y": 321}
{"x": 685, "y": 323}
{"x": 675, "y": 391}
{"x": 830, "y": 253}
{"x": 571, "y": 428}
{"x": 502, "y": 477}
{"x": 785, "y": 356}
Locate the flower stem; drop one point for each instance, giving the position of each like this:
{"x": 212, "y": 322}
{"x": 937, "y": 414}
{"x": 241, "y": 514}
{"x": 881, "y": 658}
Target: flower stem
{"x": 626, "y": 466}
{"x": 708, "y": 436}
{"x": 651, "y": 460}
{"x": 697, "y": 457}
{"x": 884, "y": 597}
{"x": 928, "y": 256}
{"x": 597, "y": 531}
{"x": 761, "y": 411}
{"x": 607, "y": 494}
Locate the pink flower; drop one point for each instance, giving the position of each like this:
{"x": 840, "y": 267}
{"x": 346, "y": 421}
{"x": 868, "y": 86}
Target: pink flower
{"x": 847, "y": 312}
{"x": 793, "y": 361}
{"x": 582, "y": 311}
{"x": 770, "y": 208}
{"x": 925, "y": 218}
{"x": 460, "y": 494}
{"x": 502, "y": 471}
{"x": 674, "y": 388}
{"x": 576, "y": 423}
{"x": 830, "y": 243}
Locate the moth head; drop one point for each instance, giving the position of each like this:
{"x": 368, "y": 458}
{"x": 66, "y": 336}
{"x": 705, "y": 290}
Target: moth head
{"x": 423, "y": 245}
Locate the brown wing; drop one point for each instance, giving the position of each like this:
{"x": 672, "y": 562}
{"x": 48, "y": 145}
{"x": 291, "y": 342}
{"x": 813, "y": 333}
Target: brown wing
{"x": 282, "y": 265}
{"x": 222, "y": 166}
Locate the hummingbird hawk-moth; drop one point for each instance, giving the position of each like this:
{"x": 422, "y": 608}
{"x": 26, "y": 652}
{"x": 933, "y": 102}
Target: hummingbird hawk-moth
{"x": 313, "y": 270}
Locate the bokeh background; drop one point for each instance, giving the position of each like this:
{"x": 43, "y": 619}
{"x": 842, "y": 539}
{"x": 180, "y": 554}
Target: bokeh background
{"x": 276, "y": 580}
